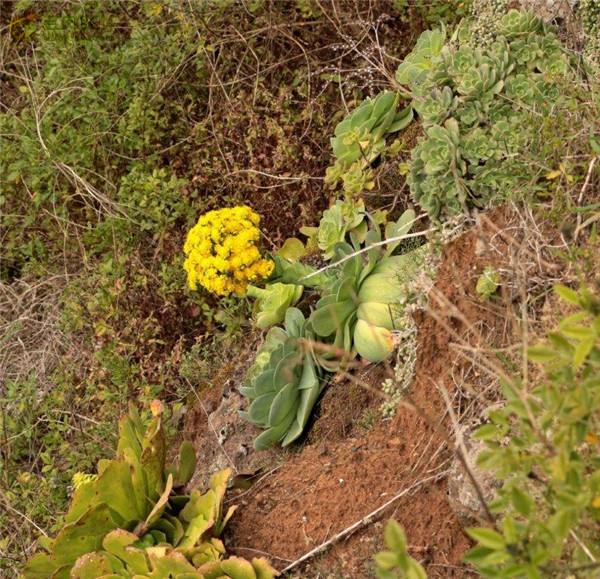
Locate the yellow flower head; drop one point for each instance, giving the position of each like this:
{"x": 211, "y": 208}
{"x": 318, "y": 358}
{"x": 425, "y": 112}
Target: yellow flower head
{"x": 221, "y": 251}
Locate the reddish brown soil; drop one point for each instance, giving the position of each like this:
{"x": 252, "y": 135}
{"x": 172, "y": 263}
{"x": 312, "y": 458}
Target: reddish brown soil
{"x": 347, "y": 468}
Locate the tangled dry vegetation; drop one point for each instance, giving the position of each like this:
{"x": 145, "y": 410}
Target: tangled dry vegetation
{"x": 126, "y": 121}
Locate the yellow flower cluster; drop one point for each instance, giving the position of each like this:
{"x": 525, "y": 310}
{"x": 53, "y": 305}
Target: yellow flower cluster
{"x": 80, "y": 478}
{"x": 221, "y": 251}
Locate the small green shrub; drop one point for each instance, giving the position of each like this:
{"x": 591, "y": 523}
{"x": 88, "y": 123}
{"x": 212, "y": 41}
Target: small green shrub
{"x": 396, "y": 562}
{"x": 153, "y": 199}
{"x": 543, "y": 446}
{"x": 430, "y": 12}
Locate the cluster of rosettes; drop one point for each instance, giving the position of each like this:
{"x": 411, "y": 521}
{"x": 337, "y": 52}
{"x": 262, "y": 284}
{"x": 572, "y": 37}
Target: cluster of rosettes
{"x": 221, "y": 251}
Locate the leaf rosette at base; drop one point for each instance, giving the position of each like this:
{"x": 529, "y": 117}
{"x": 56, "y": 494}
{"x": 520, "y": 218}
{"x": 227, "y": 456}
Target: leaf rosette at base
{"x": 284, "y": 387}
{"x": 360, "y": 310}
{"x": 129, "y": 520}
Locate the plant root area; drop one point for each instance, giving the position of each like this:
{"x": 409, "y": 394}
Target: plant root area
{"x": 353, "y": 461}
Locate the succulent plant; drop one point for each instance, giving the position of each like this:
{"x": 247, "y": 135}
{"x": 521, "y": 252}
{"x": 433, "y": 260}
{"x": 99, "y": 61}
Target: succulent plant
{"x": 488, "y": 283}
{"x": 129, "y": 521}
{"x": 342, "y": 218}
{"x": 518, "y": 23}
{"x": 359, "y": 311}
{"x": 476, "y": 101}
{"x": 285, "y": 386}
{"x": 415, "y": 69}
{"x": 361, "y": 134}
{"x": 272, "y": 302}
{"x": 437, "y": 106}
{"x": 360, "y": 138}
{"x": 520, "y": 88}
{"x": 441, "y": 152}
{"x": 297, "y": 273}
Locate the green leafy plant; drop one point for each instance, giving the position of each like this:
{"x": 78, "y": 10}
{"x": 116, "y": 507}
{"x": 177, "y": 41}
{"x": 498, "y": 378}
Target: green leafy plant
{"x": 129, "y": 520}
{"x": 284, "y": 383}
{"x": 475, "y": 104}
{"x": 543, "y": 446}
{"x": 396, "y": 562}
{"x": 488, "y": 283}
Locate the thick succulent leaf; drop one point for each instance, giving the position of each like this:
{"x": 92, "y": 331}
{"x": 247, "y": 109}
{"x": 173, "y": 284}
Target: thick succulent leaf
{"x": 274, "y": 434}
{"x": 119, "y": 543}
{"x": 292, "y": 249}
{"x": 187, "y": 463}
{"x": 284, "y": 403}
{"x": 263, "y": 384}
{"x": 377, "y": 314}
{"x": 399, "y": 228}
{"x": 139, "y": 480}
{"x": 373, "y": 343}
{"x": 296, "y": 273}
{"x": 238, "y": 568}
{"x": 171, "y": 527}
{"x": 40, "y": 566}
{"x": 352, "y": 267}
{"x": 199, "y": 505}
{"x": 262, "y": 569}
{"x": 346, "y": 333}
{"x": 273, "y": 301}
{"x": 361, "y": 114}
{"x": 347, "y": 291}
{"x": 46, "y": 543}
{"x": 211, "y": 570}
{"x": 129, "y": 437}
{"x": 158, "y": 536}
{"x": 218, "y": 484}
{"x": 207, "y": 552}
{"x": 83, "y": 498}
{"x": 170, "y": 564}
{"x": 154, "y": 457}
{"x": 294, "y": 322}
{"x": 329, "y": 298}
{"x": 383, "y": 102}
{"x": 116, "y": 541}
{"x": 159, "y": 507}
{"x": 386, "y": 283}
{"x": 328, "y": 319}
{"x": 75, "y": 539}
{"x": 196, "y": 528}
{"x": 309, "y": 395}
{"x": 309, "y": 374}
{"x": 115, "y": 488}
{"x": 219, "y": 528}
{"x": 288, "y": 370}
{"x": 259, "y": 409}
{"x": 401, "y": 120}
{"x": 91, "y": 566}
